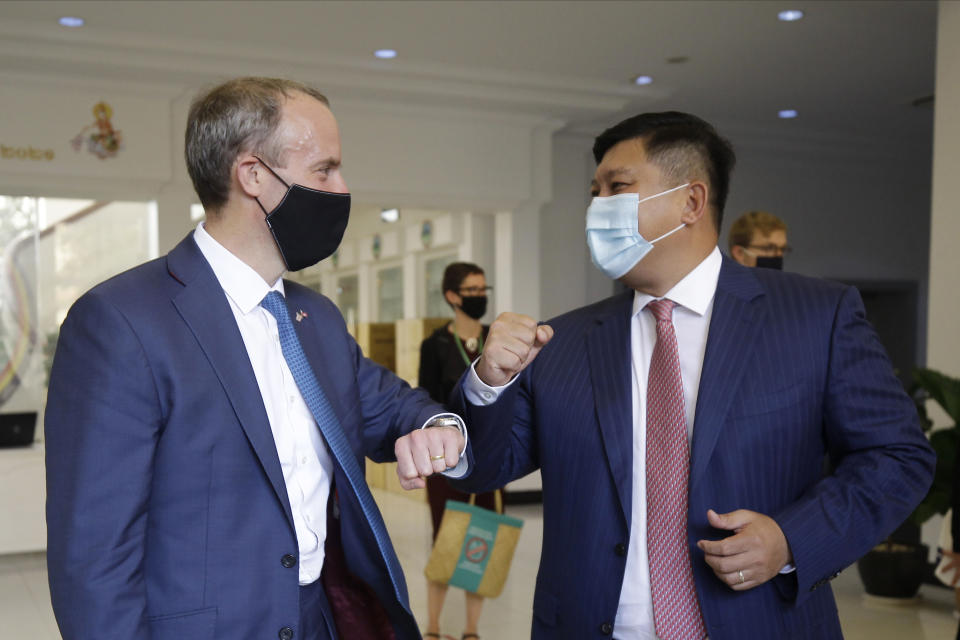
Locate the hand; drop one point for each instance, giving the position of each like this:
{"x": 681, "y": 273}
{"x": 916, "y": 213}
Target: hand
{"x": 513, "y": 342}
{"x": 415, "y": 451}
{"x": 758, "y": 549}
{"x": 953, "y": 562}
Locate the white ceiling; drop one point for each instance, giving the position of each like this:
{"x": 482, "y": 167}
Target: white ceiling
{"x": 849, "y": 68}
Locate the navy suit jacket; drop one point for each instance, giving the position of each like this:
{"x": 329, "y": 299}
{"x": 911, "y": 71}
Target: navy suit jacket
{"x": 792, "y": 372}
{"x": 167, "y": 512}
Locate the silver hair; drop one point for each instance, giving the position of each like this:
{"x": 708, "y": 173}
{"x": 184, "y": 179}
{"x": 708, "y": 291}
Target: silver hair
{"x": 238, "y": 116}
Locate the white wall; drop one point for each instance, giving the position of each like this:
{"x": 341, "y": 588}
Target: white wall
{"x": 568, "y": 277}
{"x": 856, "y": 210}
{"x": 943, "y": 346}
{"x": 428, "y": 157}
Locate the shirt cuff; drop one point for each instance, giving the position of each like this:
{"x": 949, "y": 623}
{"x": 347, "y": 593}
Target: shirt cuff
{"x": 479, "y": 393}
{"x": 462, "y": 466}
{"x": 787, "y": 568}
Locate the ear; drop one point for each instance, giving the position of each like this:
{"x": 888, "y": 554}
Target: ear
{"x": 736, "y": 252}
{"x": 451, "y": 297}
{"x": 696, "y": 205}
{"x": 250, "y": 175}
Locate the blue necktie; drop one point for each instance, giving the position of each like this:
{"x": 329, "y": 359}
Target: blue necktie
{"x": 332, "y": 432}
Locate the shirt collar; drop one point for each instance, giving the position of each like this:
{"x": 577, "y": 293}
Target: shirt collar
{"x": 240, "y": 282}
{"x": 695, "y": 291}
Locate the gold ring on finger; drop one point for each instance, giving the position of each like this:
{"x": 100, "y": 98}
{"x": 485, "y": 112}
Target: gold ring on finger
{"x": 740, "y": 573}
{"x": 440, "y": 457}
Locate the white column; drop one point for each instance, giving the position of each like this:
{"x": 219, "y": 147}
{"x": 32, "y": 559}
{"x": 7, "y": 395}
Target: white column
{"x": 413, "y": 285}
{"x": 366, "y": 291}
{"x": 943, "y": 344}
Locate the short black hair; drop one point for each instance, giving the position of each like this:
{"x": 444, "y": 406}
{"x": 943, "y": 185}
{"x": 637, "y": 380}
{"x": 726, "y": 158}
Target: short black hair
{"x": 456, "y": 273}
{"x": 676, "y": 142}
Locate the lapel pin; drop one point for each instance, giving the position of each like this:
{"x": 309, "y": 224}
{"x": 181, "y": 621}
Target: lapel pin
{"x": 301, "y": 314}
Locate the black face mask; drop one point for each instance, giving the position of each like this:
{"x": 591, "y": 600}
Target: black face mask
{"x": 307, "y": 225}
{"x": 770, "y": 262}
{"x": 474, "y": 306}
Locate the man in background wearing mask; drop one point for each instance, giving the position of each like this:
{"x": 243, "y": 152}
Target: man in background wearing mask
{"x": 680, "y": 427}
{"x": 207, "y": 421}
{"x": 759, "y": 239}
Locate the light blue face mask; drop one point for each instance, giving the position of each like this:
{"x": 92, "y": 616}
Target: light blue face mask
{"x": 612, "y": 235}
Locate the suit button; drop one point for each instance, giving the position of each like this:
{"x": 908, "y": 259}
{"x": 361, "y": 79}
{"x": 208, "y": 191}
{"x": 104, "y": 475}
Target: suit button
{"x": 286, "y": 633}
{"x": 606, "y": 628}
{"x": 620, "y": 549}
{"x": 288, "y": 561}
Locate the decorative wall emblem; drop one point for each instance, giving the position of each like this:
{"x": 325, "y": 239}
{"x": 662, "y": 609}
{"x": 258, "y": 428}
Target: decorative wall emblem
{"x": 100, "y": 138}
{"x": 426, "y": 234}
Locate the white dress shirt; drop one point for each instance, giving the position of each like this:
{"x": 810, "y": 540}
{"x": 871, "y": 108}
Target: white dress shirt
{"x": 691, "y": 319}
{"x": 304, "y": 457}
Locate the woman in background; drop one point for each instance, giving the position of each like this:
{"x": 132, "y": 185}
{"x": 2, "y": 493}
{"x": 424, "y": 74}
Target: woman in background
{"x": 444, "y": 356}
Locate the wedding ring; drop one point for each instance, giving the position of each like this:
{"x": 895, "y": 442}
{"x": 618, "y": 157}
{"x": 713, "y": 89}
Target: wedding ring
{"x": 740, "y": 573}
{"x": 441, "y": 457}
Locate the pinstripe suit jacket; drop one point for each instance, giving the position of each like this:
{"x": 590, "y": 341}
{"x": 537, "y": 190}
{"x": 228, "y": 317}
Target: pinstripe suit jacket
{"x": 792, "y": 372}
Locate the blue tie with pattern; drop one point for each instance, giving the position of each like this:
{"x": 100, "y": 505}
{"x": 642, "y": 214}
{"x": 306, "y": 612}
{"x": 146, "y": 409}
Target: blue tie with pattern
{"x": 329, "y": 425}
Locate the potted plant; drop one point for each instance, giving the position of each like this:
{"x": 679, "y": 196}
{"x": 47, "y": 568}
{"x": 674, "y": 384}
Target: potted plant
{"x": 898, "y": 566}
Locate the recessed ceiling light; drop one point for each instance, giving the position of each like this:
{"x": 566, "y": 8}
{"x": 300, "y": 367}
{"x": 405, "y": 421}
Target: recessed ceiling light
{"x": 642, "y": 80}
{"x": 71, "y": 21}
{"x": 385, "y": 54}
{"x": 390, "y": 215}
{"x": 787, "y": 113}
{"x": 790, "y": 15}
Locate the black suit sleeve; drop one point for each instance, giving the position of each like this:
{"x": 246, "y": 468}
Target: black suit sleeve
{"x": 431, "y": 367}
{"x": 955, "y": 504}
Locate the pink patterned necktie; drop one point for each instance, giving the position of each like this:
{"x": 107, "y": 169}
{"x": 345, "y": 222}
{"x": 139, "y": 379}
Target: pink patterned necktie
{"x": 676, "y": 611}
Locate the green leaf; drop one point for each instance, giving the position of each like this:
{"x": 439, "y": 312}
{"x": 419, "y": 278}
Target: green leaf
{"x": 944, "y": 389}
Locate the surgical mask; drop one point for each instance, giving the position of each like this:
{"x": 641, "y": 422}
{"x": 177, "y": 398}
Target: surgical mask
{"x": 770, "y": 262}
{"x": 308, "y": 224}
{"x": 474, "y": 306}
{"x": 612, "y": 235}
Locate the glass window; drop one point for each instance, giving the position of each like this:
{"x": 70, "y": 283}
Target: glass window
{"x": 347, "y": 297}
{"x": 390, "y": 294}
{"x": 54, "y": 250}
{"x": 310, "y": 277}
{"x": 437, "y": 306}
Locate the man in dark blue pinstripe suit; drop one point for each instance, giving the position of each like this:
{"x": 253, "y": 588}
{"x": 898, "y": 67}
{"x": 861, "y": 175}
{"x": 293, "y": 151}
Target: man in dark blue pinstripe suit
{"x": 772, "y": 372}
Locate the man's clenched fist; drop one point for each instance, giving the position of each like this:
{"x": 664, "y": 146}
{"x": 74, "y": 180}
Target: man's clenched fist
{"x": 513, "y": 342}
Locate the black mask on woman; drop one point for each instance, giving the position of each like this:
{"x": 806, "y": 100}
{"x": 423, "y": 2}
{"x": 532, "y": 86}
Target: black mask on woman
{"x": 308, "y": 224}
{"x": 474, "y": 306}
{"x": 770, "y": 262}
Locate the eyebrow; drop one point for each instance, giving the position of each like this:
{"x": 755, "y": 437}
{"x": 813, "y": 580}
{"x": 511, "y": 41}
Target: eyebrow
{"x": 611, "y": 173}
{"x": 327, "y": 162}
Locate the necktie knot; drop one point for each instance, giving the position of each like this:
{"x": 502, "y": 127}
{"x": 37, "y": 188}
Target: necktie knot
{"x": 662, "y": 309}
{"x": 274, "y": 303}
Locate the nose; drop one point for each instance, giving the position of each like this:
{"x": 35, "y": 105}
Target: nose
{"x": 339, "y": 185}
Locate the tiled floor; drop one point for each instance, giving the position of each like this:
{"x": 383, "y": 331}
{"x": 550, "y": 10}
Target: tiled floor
{"x": 25, "y": 602}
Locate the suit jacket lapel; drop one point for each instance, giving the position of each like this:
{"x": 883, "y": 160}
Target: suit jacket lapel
{"x": 608, "y": 346}
{"x": 206, "y": 310}
{"x": 316, "y": 354}
{"x": 729, "y": 343}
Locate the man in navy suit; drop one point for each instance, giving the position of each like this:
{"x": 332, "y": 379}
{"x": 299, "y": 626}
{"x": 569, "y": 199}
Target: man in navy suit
{"x": 207, "y": 421}
{"x": 680, "y": 427}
